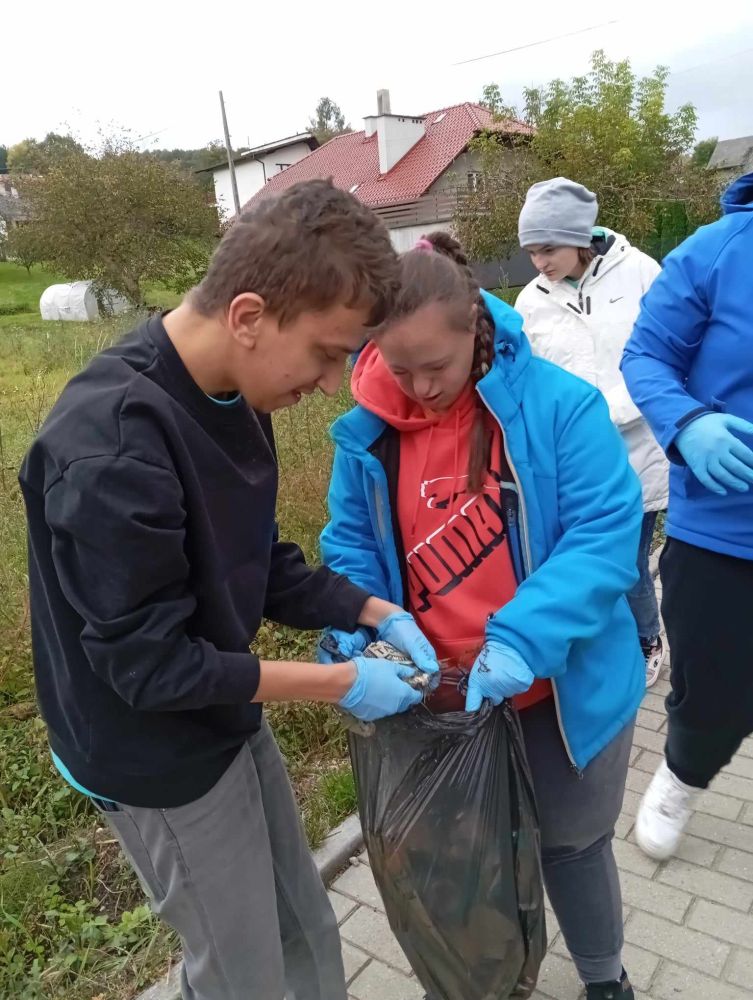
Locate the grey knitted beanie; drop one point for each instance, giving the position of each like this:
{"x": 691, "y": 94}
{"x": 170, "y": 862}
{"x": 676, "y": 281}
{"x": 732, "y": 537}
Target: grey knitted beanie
{"x": 558, "y": 213}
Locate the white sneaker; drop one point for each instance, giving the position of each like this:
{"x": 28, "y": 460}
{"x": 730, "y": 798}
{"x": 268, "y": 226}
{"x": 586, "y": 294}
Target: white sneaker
{"x": 664, "y": 813}
{"x": 655, "y": 653}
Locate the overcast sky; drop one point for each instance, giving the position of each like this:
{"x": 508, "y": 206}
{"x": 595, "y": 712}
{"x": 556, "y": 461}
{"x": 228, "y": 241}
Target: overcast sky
{"x": 155, "y": 67}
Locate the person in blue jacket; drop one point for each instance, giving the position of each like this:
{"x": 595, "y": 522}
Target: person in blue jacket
{"x": 689, "y": 368}
{"x": 556, "y": 508}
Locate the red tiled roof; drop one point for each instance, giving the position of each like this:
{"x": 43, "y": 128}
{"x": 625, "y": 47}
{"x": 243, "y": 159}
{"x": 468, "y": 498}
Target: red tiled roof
{"x": 354, "y": 158}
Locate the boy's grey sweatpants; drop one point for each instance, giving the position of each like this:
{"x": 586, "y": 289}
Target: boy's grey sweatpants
{"x": 577, "y": 816}
{"x": 233, "y": 875}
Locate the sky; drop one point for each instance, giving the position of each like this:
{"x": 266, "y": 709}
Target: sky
{"x": 155, "y": 68}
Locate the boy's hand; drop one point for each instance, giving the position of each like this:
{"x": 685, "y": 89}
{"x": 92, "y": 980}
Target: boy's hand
{"x": 335, "y": 645}
{"x": 379, "y": 689}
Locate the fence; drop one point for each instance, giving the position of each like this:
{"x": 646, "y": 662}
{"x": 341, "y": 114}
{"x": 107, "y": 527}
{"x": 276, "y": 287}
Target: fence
{"x": 429, "y": 208}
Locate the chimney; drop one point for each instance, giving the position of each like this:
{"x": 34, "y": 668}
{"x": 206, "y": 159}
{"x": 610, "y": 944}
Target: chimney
{"x": 396, "y": 134}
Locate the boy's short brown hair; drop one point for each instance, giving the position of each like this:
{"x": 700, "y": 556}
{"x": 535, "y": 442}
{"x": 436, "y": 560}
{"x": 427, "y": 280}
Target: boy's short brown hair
{"x": 309, "y": 248}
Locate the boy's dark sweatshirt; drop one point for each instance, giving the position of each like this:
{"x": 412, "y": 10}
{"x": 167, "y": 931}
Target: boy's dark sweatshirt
{"x": 153, "y": 556}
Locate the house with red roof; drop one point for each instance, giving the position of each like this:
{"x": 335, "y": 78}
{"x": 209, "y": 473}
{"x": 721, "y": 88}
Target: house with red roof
{"x": 411, "y": 169}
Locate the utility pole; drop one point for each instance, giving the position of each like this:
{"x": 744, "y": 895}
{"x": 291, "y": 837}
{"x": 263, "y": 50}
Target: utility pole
{"x": 231, "y": 165}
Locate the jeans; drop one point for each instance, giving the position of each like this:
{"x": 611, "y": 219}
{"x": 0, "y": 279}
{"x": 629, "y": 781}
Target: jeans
{"x": 577, "y": 814}
{"x": 642, "y": 598}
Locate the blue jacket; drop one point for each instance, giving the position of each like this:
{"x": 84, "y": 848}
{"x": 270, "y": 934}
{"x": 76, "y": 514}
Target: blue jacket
{"x": 691, "y": 352}
{"x": 579, "y": 525}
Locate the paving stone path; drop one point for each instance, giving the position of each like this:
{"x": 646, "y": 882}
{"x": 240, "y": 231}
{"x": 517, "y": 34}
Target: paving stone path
{"x": 688, "y": 922}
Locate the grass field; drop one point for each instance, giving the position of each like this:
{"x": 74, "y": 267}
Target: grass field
{"x": 20, "y": 291}
{"x": 73, "y": 921}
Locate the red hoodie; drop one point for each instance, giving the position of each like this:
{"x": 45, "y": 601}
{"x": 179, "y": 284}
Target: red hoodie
{"x": 458, "y": 560}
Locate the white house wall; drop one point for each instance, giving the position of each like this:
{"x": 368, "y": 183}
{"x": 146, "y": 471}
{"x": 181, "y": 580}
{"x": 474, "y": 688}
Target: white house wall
{"x": 249, "y": 177}
{"x": 252, "y": 174}
{"x": 406, "y": 237}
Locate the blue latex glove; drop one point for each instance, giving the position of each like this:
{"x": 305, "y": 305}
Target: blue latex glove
{"x": 379, "y": 689}
{"x": 401, "y": 631}
{"x": 716, "y": 457}
{"x": 498, "y": 673}
{"x": 336, "y": 645}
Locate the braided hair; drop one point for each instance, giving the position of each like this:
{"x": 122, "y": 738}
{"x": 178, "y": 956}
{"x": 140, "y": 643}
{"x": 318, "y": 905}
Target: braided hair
{"x": 437, "y": 271}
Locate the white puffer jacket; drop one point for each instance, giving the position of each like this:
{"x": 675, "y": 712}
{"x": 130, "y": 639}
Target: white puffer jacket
{"x": 584, "y": 330}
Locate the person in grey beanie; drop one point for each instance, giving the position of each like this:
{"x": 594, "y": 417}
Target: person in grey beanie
{"x": 579, "y": 313}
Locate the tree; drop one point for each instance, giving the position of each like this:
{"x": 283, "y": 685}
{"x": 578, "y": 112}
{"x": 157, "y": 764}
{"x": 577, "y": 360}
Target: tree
{"x": 32, "y": 157}
{"x": 25, "y": 157}
{"x": 192, "y": 160}
{"x": 328, "y": 120}
{"x": 702, "y": 152}
{"x": 3, "y": 159}
{"x": 608, "y": 129}
{"x": 213, "y": 152}
{"x": 120, "y": 219}
{"x": 491, "y": 99}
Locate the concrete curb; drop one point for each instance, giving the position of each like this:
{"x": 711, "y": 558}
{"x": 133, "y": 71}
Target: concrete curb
{"x": 166, "y": 989}
{"x": 341, "y": 844}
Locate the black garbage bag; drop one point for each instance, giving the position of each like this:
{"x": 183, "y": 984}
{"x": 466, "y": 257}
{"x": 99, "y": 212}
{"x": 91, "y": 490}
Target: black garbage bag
{"x": 450, "y": 825}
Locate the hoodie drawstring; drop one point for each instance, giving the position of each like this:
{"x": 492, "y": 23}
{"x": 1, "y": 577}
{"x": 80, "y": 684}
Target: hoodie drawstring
{"x": 454, "y": 487}
{"x": 455, "y": 463}
{"x": 419, "y": 491}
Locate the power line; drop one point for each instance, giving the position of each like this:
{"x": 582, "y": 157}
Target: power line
{"x": 151, "y": 135}
{"x": 531, "y": 45}
{"x": 723, "y": 57}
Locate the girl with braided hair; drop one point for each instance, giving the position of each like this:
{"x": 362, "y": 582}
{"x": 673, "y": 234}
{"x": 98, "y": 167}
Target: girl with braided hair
{"x": 488, "y": 492}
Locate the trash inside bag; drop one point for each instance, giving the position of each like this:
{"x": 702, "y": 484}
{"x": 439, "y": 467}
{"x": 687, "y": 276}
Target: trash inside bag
{"x": 444, "y": 691}
{"x": 449, "y": 821}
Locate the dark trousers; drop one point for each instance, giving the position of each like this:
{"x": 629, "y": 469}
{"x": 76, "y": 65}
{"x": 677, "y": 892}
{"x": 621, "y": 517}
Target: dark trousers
{"x": 707, "y": 607}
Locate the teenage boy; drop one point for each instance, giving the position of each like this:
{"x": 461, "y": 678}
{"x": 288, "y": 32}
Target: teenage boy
{"x": 153, "y": 556}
